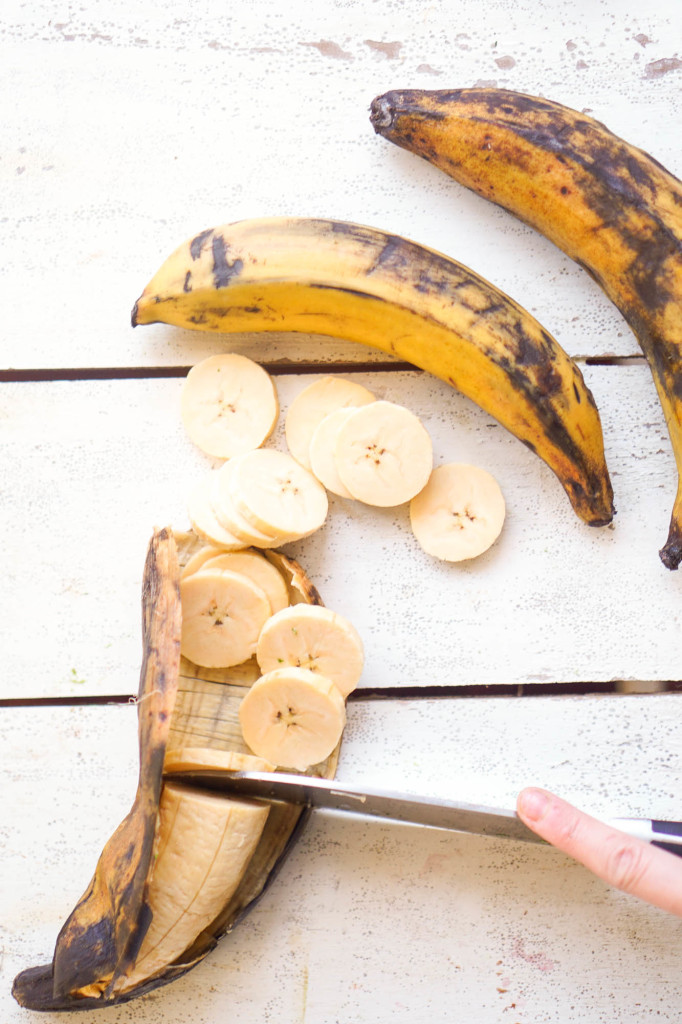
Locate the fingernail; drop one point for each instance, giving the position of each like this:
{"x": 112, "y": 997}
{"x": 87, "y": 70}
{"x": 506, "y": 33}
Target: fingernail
{"x": 533, "y": 804}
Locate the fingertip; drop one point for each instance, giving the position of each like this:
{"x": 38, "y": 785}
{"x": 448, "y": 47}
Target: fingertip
{"x": 532, "y": 804}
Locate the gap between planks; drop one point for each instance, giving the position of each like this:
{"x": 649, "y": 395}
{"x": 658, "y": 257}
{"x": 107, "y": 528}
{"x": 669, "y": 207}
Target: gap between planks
{"x": 615, "y": 688}
{"x": 276, "y": 368}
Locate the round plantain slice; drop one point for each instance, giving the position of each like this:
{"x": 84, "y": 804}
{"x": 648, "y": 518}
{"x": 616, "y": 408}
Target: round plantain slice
{"x": 202, "y": 556}
{"x": 293, "y": 717}
{"x": 310, "y": 407}
{"x": 228, "y": 405}
{"x": 277, "y": 495}
{"x": 223, "y": 613}
{"x": 259, "y": 570}
{"x": 229, "y": 515}
{"x": 314, "y": 638}
{"x": 323, "y": 452}
{"x": 383, "y": 454}
{"x": 205, "y": 522}
{"x": 459, "y": 514}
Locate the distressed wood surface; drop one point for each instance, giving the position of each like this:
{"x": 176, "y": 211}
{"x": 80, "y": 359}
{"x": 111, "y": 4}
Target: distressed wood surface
{"x": 553, "y": 601}
{"x": 131, "y": 129}
{"x": 369, "y": 917}
{"x": 127, "y": 129}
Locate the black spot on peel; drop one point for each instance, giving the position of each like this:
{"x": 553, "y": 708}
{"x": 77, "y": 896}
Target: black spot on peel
{"x": 427, "y": 284}
{"x": 444, "y": 96}
{"x": 197, "y": 243}
{"x": 620, "y": 187}
{"x": 225, "y": 312}
{"x": 138, "y": 932}
{"x": 223, "y": 270}
{"x": 154, "y": 768}
{"x": 576, "y": 392}
{"x": 505, "y": 102}
{"x": 550, "y": 381}
{"x": 491, "y": 308}
{"x": 366, "y": 236}
{"x": 527, "y": 353}
{"x": 639, "y": 172}
{"x": 393, "y": 255}
{"x": 619, "y": 184}
{"x": 677, "y": 386}
{"x": 589, "y": 490}
{"x": 90, "y": 950}
{"x": 343, "y": 227}
{"x": 647, "y": 270}
{"x": 346, "y": 291}
{"x": 128, "y": 898}
{"x": 187, "y": 287}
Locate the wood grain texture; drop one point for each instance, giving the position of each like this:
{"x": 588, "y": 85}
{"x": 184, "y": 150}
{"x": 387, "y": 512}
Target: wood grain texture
{"x": 552, "y": 601}
{"x": 130, "y": 130}
{"x": 368, "y": 916}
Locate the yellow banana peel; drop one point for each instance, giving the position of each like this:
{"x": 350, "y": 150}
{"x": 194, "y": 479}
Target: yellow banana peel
{"x": 366, "y": 285}
{"x": 608, "y": 205}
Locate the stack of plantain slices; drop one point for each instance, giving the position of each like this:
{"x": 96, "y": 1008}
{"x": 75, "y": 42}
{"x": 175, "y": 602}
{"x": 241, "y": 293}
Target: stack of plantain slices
{"x": 185, "y": 864}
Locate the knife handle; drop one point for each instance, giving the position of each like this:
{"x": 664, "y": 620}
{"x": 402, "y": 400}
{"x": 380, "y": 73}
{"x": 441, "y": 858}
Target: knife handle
{"x": 665, "y": 834}
{"x": 673, "y": 829}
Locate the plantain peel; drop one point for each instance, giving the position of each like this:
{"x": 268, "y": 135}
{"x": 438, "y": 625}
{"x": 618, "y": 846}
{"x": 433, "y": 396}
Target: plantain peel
{"x": 356, "y": 282}
{"x": 113, "y": 947}
{"x": 608, "y": 205}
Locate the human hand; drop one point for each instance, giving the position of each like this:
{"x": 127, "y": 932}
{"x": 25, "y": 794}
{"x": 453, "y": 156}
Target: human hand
{"x": 636, "y": 867}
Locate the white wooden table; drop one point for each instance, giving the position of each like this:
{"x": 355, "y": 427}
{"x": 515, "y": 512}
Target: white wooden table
{"x": 126, "y": 130}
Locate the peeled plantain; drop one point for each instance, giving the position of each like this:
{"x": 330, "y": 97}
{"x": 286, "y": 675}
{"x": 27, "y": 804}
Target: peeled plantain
{"x": 109, "y": 950}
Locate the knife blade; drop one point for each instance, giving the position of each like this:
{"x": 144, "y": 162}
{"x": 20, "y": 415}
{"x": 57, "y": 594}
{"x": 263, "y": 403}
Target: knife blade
{"x": 409, "y": 808}
{"x": 376, "y": 803}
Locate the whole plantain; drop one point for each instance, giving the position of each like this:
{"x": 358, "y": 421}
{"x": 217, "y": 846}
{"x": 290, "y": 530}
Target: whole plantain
{"x": 606, "y": 204}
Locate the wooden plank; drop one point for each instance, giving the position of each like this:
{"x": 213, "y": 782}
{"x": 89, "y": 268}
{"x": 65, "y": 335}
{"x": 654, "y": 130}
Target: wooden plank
{"x": 128, "y": 134}
{"x": 368, "y": 916}
{"x": 91, "y": 468}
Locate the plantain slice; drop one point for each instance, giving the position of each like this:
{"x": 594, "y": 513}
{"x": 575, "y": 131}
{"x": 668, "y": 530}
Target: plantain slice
{"x": 180, "y": 706}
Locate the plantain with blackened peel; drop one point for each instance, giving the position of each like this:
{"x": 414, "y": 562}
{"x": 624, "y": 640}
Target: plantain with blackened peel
{"x": 608, "y": 205}
{"x": 184, "y": 865}
{"x": 363, "y": 284}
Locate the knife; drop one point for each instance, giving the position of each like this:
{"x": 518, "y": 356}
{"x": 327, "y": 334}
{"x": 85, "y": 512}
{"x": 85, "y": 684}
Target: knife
{"x": 406, "y": 807}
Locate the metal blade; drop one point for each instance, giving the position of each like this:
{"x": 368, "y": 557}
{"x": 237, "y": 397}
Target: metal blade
{"x": 376, "y": 803}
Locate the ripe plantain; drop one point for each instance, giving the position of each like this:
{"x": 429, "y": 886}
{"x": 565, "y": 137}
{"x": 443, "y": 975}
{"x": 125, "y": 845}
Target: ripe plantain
{"x": 179, "y": 871}
{"x": 346, "y": 280}
{"x": 609, "y": 206}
